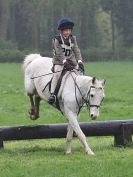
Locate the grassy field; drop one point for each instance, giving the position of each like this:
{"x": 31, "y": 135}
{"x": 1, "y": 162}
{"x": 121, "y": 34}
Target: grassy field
{"x": 45, "y": 158}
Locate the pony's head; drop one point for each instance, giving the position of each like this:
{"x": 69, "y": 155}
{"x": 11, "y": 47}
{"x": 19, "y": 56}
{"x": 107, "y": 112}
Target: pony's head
{"x": 95, "y": 97}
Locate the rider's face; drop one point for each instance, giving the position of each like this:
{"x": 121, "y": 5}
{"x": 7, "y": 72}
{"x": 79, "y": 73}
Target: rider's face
{"x": 66, "y": 32}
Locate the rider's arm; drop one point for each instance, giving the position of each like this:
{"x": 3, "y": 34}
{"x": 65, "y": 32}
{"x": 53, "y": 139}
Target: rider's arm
{"x": 77, "y": 53}
{"x": 76, "y": 50}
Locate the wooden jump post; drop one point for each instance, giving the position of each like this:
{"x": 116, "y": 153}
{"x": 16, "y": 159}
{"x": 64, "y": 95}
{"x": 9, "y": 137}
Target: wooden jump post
{"x": 122, "y": 131}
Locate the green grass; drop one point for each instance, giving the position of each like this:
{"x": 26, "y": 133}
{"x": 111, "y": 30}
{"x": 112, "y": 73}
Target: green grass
{"x": 45, "y": 158}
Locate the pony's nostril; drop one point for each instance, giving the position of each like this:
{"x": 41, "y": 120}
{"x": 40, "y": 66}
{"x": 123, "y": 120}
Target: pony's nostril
{"x": 92, "y": 115}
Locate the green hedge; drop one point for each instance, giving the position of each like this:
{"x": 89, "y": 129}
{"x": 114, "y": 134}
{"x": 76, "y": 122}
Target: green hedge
{"x": 11, "y": 55}
{"x": 15, "y": 55}
{"x": 97, "y": 54}
{"x": 6, "y": 44}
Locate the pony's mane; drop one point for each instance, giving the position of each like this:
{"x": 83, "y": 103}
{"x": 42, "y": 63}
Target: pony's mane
{"x": 84, "y": 79}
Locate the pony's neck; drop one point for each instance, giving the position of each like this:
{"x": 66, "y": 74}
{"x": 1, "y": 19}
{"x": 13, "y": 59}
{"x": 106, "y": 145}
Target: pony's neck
{"x": 84, "y": 83}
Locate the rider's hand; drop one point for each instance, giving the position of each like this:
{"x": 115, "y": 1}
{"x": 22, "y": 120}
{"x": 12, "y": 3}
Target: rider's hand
{"x": 81, "y": 66}
{"x": 67, "y": 66}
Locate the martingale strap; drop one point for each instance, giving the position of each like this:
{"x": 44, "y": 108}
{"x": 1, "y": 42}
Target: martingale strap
{"x": 83, "y": 99}
{"x": 48, "y": 84}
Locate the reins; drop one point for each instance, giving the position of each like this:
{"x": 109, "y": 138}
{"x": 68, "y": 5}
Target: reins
{"x": 45, "y": 75}
{"x": 48, "y": 74}
{"x": 84, "y": 100}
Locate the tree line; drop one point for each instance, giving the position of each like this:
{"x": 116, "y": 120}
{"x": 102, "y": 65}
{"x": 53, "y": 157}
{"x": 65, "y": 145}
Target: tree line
{"x": 99, "y": 24}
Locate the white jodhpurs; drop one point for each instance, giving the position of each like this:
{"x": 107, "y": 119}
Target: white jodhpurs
{"x": 56, "y": 76}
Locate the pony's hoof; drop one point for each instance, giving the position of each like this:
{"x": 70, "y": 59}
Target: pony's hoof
{"x": 90, "y": 153}
{"x": 68, "y": 152}
{"x": 33, "y": 117}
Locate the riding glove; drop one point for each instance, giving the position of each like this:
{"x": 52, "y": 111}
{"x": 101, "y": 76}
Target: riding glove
{"x": 67, "y": 66}
{"x": 81, "y": 66}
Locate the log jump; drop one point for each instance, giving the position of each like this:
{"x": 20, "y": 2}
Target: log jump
{"x": 122, "y": 131}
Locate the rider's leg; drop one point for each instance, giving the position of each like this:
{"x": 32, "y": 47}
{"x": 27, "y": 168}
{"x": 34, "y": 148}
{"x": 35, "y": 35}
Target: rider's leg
{"x": 56, "y": 76}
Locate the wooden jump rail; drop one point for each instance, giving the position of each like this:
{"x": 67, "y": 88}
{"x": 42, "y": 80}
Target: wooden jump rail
{"x": 122, "y": 131}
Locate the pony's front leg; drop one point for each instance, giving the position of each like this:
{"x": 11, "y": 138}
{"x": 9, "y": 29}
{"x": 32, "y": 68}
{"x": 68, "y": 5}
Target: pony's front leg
{"x": 69, "y": 139}
{"x": 72, "y": 117}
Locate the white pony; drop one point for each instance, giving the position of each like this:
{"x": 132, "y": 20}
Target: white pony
{"x": 75, "y": 90}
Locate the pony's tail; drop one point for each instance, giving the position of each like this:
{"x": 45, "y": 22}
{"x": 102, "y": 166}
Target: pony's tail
{"x": 29, "y": 58}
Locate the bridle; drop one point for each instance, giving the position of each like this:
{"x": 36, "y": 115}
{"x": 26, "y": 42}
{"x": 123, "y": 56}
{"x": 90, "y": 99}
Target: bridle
{"x": 86, "y": 98}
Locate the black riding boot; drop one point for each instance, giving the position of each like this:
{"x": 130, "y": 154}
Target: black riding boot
{"x": 52, "y": 99}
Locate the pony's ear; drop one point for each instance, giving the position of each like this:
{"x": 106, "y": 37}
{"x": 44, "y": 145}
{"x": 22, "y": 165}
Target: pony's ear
{"x": 93, "y": 80}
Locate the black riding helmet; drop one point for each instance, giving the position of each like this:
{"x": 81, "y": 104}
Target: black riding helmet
{"x": 65, "y": 23}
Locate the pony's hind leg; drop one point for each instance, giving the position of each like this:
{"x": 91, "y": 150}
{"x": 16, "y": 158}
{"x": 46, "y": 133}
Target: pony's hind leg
{"x": 69, "y": 139}
{"x": 37, "y": 104}
{"x": 31, "y": 110}
{"x": 32, "y": 106}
